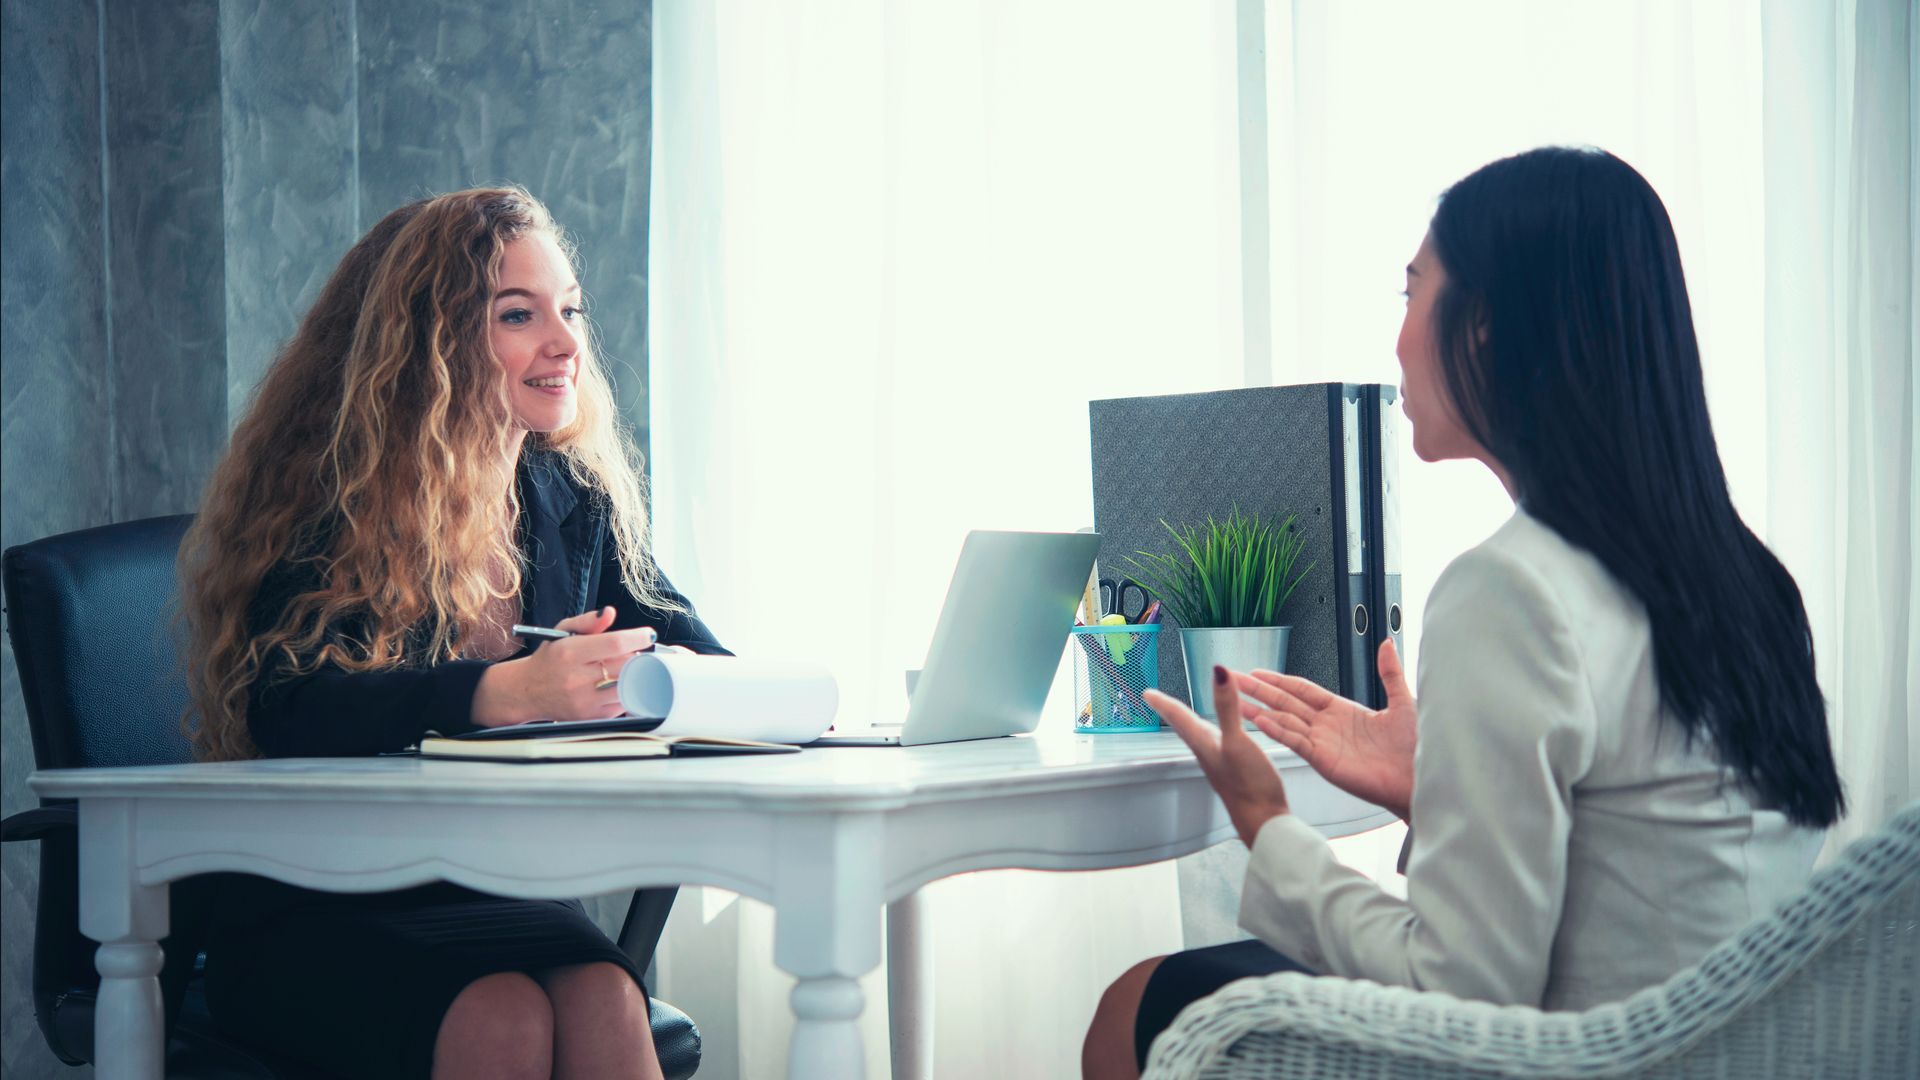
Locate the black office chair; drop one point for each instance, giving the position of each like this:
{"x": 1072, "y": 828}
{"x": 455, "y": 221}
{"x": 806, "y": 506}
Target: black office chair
{"x": 90, "y": 617}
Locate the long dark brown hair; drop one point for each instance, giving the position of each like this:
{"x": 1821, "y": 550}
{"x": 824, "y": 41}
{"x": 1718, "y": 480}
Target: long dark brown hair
{"x": 1567, "y": 342}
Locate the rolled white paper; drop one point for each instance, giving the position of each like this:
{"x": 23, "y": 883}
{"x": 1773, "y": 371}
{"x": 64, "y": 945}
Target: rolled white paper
{"x": 781, "y": 701}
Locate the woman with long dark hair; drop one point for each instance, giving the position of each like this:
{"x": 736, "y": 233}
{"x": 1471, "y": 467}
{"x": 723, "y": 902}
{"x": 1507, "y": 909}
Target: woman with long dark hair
{"x": 434, "y": 457}
{"x": 1619, "y": 754}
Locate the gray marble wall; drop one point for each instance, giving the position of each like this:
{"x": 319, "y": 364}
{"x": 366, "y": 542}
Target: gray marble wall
{"x": 166, "y": 317}
{"x": 289, "y": 82}
{"x": 177, "y": 180}
{"x": 56, "y": 462}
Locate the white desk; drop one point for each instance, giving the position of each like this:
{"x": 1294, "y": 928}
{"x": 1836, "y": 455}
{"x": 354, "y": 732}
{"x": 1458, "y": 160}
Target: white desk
{"x": 829, "y": 838}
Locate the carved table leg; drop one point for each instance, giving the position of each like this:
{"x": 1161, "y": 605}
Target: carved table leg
{"x": 826, "y": 1036}
{"x": 128, "y": 919}
{"x": 827, "y": 907}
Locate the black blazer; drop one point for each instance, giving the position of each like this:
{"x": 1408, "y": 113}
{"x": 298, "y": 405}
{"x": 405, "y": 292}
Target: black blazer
{"x": 573, "y": 567}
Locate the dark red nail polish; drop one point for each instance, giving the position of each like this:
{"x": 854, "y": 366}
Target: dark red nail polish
{"x": 1220, "y": 674}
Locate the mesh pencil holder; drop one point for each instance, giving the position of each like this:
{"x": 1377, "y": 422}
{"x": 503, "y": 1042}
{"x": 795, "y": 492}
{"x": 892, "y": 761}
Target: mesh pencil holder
{"x": 1112, "y": 665}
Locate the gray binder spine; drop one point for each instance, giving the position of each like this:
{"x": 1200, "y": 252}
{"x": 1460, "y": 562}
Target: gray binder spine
{"x": 1383, "y": 570}
{"x": 1350, "y": 501}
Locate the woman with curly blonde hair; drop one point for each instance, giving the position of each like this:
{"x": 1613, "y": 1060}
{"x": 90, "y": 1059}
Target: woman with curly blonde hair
{"x": 433, "y": 457}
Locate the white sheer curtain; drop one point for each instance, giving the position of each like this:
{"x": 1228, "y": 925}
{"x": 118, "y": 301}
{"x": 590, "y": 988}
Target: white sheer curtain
{"x": 898, "y": 245}
{"x": 1843, "y": 289}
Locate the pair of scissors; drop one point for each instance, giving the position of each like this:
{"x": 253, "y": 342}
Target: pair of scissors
{"x": 1114, "y": 593}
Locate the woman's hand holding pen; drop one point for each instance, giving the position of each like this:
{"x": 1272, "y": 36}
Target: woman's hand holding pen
{"x": 569, "y": 679}
{"x": 1236, "y": 766}
{"x": 1364, "y": 752}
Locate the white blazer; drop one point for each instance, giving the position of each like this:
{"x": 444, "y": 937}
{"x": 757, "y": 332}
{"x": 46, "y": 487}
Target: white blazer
{"x": 1572, "y": 847}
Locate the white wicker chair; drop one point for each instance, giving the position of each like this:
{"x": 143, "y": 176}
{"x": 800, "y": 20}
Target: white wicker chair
{"x": 1827, "y": 986}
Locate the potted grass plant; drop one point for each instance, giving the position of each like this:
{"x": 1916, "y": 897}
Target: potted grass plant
{"x": 1226, "y": 584}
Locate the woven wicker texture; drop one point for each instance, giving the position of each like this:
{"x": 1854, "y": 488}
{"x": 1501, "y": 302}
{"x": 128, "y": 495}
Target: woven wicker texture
{"x": 1827, "y": 986}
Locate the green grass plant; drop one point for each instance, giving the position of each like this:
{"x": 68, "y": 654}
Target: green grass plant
{"x": 1233, "y": 573}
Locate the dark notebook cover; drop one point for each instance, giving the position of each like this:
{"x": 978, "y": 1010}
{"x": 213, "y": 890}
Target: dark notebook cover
{"x": 549, "y": 729}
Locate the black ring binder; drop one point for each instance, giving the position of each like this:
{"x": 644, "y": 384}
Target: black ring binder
{"x": 1326, "y": 453}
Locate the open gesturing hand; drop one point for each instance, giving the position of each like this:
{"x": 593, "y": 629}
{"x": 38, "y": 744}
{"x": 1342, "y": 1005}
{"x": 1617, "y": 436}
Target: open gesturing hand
{"x": 1365, "y": 752}
{"x": 1236, "y": 766}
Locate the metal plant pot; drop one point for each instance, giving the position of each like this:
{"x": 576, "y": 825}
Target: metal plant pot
{"x": 1236, "y": 648}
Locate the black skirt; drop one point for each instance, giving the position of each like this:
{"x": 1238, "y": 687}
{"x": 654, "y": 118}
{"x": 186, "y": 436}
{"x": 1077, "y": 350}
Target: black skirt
{"x": 357, "y": 985}
{"x": 1186, "y": 977}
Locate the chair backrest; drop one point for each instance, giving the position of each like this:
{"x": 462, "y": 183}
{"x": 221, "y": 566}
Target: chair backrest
{"x": 90, "y": 615}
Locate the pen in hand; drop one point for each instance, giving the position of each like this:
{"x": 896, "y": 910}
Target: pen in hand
{"x": 548, "y": 633}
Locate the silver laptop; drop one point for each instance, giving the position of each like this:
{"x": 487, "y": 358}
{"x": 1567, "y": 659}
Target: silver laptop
{"x": 998, "y": 641}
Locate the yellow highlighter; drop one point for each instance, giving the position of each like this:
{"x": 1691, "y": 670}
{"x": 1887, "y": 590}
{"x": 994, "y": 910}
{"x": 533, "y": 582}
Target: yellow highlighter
{"x": 1117, "y": 644}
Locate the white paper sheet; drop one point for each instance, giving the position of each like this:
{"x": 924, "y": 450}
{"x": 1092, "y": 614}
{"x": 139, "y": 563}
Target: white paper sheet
{"x": 781, "y": 701}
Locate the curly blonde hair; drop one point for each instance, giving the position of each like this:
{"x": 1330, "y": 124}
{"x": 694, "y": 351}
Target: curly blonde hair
{"x": 375, "y": 452}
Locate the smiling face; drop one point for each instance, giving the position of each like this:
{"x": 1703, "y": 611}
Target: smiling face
{"x": 1438, "y": 433}
{"x": 538, "y": 331}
